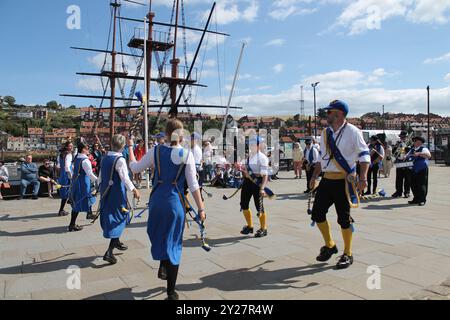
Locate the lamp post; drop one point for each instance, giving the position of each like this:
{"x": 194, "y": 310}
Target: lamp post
{"x": 314, "y": 85}
{"x": 428, "y": 111}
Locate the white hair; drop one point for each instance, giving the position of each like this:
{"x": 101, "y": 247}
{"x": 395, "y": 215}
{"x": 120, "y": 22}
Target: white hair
{"x": 118, "y": 142}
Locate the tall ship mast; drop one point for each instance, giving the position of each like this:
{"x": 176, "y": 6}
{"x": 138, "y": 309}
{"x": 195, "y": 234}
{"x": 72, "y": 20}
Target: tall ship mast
{"x": 174, "y": 81}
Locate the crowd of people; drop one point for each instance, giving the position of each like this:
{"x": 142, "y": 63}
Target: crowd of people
{"x": 339, "y": 170}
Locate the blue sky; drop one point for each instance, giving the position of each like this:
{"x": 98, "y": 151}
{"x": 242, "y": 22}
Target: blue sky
{"x": 366, "y": 52}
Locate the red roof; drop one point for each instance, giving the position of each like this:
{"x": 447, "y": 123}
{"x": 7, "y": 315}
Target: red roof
{"x": 286, "y": 139}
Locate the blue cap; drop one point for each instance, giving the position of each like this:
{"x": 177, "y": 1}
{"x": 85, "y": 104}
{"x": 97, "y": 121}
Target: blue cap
{"x": 338, "y": 105}
{"x": 196, "y": 136}
{"x": 256, "y": 140}
{"x": 160, "y": 135}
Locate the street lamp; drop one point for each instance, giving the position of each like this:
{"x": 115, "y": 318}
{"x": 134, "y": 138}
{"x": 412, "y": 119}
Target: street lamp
{"x": 314, "y": 85}
{"x": 428, "y": 110}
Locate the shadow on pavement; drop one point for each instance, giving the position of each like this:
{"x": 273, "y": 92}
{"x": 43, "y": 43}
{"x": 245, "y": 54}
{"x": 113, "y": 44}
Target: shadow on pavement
{"x": 259, "y": 279}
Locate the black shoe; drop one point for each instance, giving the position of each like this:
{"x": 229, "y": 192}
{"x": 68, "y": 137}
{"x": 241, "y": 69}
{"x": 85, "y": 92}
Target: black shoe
{"x": 162, "y": 272}
{"x": 120, "y": 246}
{"x": 75, "y": 228}
{"x": 413, "y": 202}
{"x": 260, "y": 233}
{"x": 246, "y": 230}
{"x": 173, "y": 296}
{"x": 62, "y": 213}
{"x": 396, "y": 195}
{"x": 90, "y": 216}
{"x": 326, "y": 253}
{"x": 35, "y": 197}
{"x": 421, "y": 204}
{"x": 344, "y": 262}
{"x": 306, "y": 191}
{"x": 407, "y": 195}
{"x": 109, "y": 257}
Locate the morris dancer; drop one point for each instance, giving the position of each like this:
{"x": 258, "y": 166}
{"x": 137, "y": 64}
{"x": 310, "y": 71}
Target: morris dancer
{"x": 65, "y": 175}
{"x": 255, "y": 180}
{"x": 173, "y": 166}
{"x": 81, "y": 196}
{"x": 342, "y": 144}
{"x": 114, "y": 183}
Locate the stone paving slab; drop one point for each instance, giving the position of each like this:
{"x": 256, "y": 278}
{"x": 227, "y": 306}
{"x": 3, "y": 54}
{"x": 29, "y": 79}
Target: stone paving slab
{"x": 410, "y": 245}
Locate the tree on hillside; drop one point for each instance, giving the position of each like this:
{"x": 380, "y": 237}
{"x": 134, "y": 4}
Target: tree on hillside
{"x": 53, "y": 105}
{"x": 9, "y": 100}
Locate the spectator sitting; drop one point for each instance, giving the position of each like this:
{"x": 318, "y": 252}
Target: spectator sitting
{"x": 46, "y": 176}
{"x": 29, "y": 175}
{"x": 4, "y": 176}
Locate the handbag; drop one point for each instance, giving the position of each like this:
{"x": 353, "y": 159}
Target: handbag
{"x": 6, "y": 185}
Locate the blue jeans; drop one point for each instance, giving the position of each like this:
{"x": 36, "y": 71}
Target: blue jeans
{"x": 25, "y": 183}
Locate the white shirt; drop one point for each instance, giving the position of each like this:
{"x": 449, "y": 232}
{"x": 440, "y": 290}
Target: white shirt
{"x": 207, "y": 154}
{"x": 424, "y": 150}
{"x": 122, "y": 170}
{"x": 351, "y": 144}
{"x": 259, "y": 164}
{"x": 68, "y": 164}
{"x": 197, "y": 152}
{"x": 4, "y": 173}
{"x": 315, "y": 153}
{"x": 148, "y": 161}
{"x": 87, "y": 167}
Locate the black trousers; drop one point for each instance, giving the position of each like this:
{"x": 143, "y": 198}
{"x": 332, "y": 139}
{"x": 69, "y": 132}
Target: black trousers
{"x": 309, "y": 174}
{"x": 419, "y": 185}
{"x": 328, "y": 193}
{"x": 373, "y": 175}
{"x": 249, "y": 190}
{"x": 402, "y": 180}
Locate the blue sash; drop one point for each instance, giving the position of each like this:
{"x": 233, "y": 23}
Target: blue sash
{"x": 340, "y": 163}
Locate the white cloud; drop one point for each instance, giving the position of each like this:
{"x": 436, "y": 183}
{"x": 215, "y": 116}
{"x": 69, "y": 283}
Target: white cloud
{"x": 282, "y": 9}
{"x": 363, "y": 15}
{"x": 443, "y": 58}
{"x": 447, "y": 77}
{"x": 229, "y": 11}
{"x": 278, "y": 68}
{"x": 360, "y": 100}
{"x": 276, "y": 42}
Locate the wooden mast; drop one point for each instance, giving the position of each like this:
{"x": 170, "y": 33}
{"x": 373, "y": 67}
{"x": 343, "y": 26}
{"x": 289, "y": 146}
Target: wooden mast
{"x": 112, "y": 113}
{"x": 175, "y": 61}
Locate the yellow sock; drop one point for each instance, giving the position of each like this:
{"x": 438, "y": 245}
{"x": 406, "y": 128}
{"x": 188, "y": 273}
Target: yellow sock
{"x": 325, "y": 229}
{"x": 347, "y": 235}
{"x": 263, "y": 220}
{"x": 248, "y": 218}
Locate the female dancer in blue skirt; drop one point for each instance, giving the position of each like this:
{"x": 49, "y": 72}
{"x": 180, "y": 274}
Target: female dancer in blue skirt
{"x": 65, "y": 174}
{"x": 114, "y": 208}
{"x": 80, "y": 190}
{"x": 166, "y": 218}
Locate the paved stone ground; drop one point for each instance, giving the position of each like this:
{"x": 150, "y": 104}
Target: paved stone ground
{"x": 410, "y": 245}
